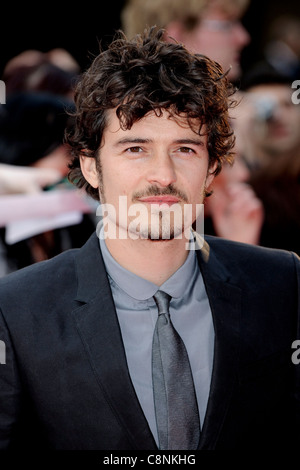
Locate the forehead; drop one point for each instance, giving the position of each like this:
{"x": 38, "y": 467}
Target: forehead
{"x": 153, "y": 122}
{"x": 219, "y": 11}
{"x": 234, "y": 8}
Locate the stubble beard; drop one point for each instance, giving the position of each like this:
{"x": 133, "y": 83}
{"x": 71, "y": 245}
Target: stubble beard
{"x": 160, "y": 230}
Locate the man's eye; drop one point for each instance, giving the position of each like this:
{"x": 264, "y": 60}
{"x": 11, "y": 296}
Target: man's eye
{"x": 186, "y": 150}
{"x": 134, "y": 149}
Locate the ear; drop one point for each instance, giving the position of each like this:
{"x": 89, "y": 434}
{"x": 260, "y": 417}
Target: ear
{"x": 89, "y": 170}
{"x": 210, "y": 175}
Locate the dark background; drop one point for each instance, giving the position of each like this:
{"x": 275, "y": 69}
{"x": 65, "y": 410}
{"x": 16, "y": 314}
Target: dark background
{"x": 79, "y": 26}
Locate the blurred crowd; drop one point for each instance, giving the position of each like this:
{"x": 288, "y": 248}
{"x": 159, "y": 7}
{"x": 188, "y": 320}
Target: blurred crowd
{"x": 34, "y": 161}
{"x": 255, "y": 200}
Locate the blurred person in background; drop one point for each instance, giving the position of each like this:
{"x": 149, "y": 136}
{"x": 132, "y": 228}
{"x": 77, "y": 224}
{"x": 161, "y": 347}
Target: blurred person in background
{"x": 209, "y": 27}
{"x": 268, "y": 131}
{"x": 57, "y": 56}
{"x": 55, "y": 71}
{"x": 282, "y": 45}
{"x": 32, "y": 127}
{"x": 32, "y": 71}
{"x": 233, "y": 210}
{"x": 33, "y": 156}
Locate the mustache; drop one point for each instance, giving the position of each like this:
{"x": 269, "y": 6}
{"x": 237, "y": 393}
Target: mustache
{"x": 155, "y": 191}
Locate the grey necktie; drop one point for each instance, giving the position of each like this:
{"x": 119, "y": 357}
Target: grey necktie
{"x": 175, "y": 402}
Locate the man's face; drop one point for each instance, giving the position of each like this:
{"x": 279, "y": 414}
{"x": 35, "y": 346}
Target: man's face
{"x": 220, "y": 36}
{"x": 158, "y": 163}
{"x": 280, "y": 132}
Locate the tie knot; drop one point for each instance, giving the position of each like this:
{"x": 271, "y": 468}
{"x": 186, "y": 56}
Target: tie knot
{"x": 162, "y": 300}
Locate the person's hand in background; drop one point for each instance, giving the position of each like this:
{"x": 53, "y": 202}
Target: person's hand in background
{"x": 237, "y": 213}
{"x": 27, "y": 180}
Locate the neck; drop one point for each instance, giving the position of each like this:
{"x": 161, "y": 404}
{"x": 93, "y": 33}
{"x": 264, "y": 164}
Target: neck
{"x": 154, "y": 261}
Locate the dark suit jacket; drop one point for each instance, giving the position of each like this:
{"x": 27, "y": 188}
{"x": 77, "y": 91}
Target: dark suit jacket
{"x": 65, "y": 384}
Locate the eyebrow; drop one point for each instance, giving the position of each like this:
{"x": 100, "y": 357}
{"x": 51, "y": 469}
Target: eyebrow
{"x": 138, "y": 140}
{"x": 190, "y": 141}
{"x": 129, "y": 140}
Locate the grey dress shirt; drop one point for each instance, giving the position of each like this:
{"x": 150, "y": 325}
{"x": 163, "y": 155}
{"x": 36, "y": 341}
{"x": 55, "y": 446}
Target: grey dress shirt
{"x": 137, "y": 314}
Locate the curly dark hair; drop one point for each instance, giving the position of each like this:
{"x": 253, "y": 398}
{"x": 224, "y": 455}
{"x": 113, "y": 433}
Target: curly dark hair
{"x": 148, "y": 74}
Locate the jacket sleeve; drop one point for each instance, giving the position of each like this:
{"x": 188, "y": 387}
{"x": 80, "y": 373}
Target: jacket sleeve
{"x": 9, "y": 388}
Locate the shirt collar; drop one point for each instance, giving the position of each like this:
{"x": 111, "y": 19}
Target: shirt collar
{"x": 142, "y": 289}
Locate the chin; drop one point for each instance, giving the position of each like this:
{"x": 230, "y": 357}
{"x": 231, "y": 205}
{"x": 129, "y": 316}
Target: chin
{"x": 163, "y": 234}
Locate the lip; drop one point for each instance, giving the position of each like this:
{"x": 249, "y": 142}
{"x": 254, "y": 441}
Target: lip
{"x": 280, "y": 131}
{"x": 159, "y": 200}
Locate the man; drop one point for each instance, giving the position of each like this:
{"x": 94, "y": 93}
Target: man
{"x": 84, "y": 367}
{"x": 213, "y": 28}
{"x": 210, "y": 27}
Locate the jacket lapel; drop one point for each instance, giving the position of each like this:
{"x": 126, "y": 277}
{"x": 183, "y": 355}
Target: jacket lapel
{"x": 98, "y": 326}
{"x": 225, "y": 303}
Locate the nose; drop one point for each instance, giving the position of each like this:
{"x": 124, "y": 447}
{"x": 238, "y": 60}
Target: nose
{"x": 242, "y": 36}
{"x": 277, "y": 115}
{"x": 162, "y": 172}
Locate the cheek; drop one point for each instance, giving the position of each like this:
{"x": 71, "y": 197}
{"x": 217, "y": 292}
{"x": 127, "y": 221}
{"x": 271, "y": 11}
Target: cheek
{"x": 116, "y": 181}
{"x": 195, "y": 189}
{"x": 294, "y": 122}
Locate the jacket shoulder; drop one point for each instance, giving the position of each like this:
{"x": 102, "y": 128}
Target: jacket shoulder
{"x": 238, "y": 249}
{"x": 38, "y": 276}
{"x": 245, "y": 260}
